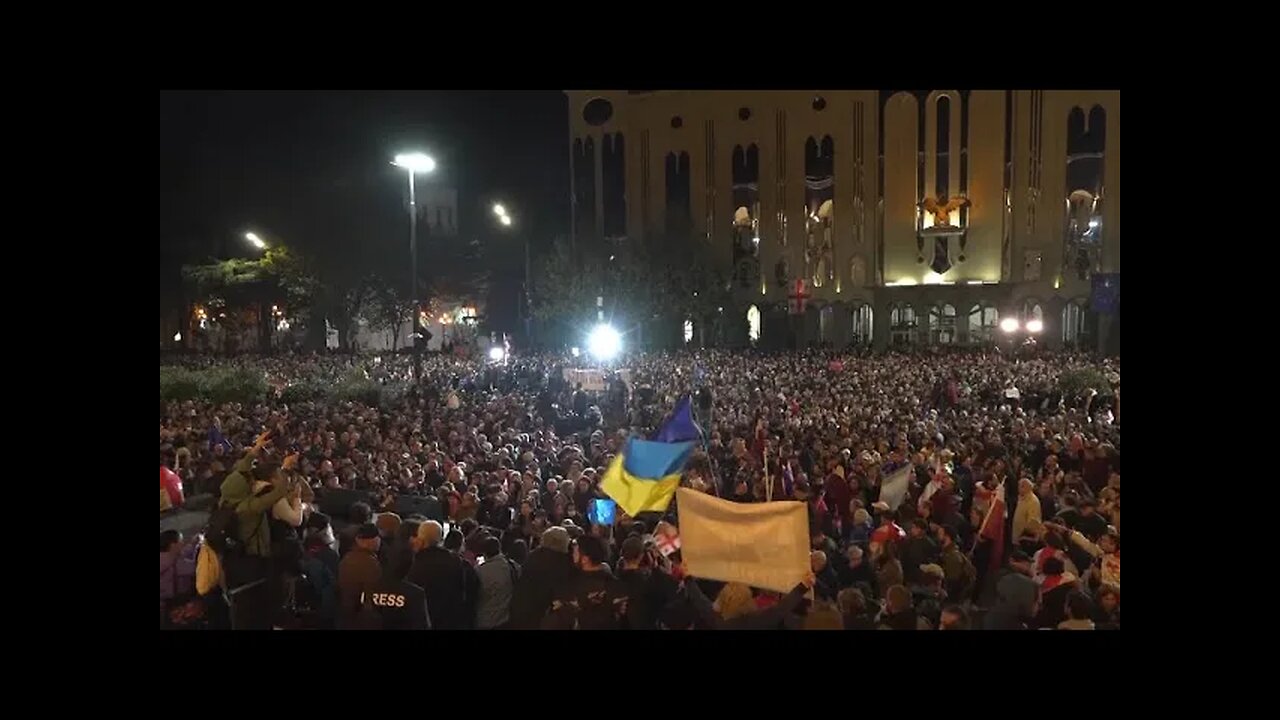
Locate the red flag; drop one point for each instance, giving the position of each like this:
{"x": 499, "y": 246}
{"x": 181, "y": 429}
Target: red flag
{"x": 993, "y": 528}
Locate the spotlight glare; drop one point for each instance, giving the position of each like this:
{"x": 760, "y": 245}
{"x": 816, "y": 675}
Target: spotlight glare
{"x": 1009, "y": 325}
{"x": 604, "y": 343}
{"x": 496, "y": 354}
{"x": 1034, "y": 326}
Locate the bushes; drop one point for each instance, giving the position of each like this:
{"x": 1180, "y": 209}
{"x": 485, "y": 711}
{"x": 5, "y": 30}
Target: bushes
{"x": 1078, "y": 382}
{"x": 219, "y": 386}
{"x": 241, "y": 385}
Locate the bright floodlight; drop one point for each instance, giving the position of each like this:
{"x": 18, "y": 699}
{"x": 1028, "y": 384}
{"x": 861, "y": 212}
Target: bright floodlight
{"x": 505, "y": 219}
{"x": 604, "y": 342}
{"x": 499, "y": 210}
{"x": 1034, "y": 326}
{"x": 1009, "y": 325}
{"x": 257, "y": 241}
{"x": 177, "y": 337}
{"x": 496, "y": 354}
{"x": 576, "y": 352}
{"x": 415, "y": 162}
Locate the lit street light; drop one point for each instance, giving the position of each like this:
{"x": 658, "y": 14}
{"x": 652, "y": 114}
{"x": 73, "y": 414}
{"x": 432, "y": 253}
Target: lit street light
{"x": 505, "y": 219}
{"x": 415, "y": 163}
{"x": 255, "y": 240}
{"x": 499, "y": 210}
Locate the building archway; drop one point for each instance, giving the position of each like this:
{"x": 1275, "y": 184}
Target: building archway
{"x": 862, "y": 325}
{"x": 902, "y": 324}
{"x": 983, "y": 322}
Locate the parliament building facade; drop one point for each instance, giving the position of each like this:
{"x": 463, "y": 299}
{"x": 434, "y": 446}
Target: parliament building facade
{"x": 868, "y": 217}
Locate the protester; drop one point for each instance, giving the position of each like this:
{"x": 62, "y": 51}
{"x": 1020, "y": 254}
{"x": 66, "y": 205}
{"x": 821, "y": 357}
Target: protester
{"x": 497, "y": 576}
{"x": 358, "y": 572}
{"x": 594, "y": 599}
{"x": 450, "y": 582}
{"x": 502, "y": 447}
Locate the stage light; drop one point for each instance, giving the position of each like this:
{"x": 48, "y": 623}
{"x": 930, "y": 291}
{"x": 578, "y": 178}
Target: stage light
{"x": 496, "y": 354}
{"x": 1009, "y": 325}
{"x": 1034, "y": 326}
{"x": 604, "y": 342}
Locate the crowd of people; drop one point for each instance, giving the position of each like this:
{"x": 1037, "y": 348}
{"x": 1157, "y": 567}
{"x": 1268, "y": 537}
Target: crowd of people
{"x": 466, "y": 502}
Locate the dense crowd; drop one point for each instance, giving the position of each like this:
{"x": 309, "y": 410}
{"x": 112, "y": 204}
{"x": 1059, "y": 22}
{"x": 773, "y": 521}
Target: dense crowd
{"x": 475, "y": 491}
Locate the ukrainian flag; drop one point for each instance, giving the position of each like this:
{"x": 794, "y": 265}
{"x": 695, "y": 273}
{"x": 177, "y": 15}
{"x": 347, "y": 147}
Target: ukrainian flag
{"x": 645, "y": 475}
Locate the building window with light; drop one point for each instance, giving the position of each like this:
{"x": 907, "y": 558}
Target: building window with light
{"x": 942, "y": 324}
{"x": 753, "y": 323}
{"x": 983, "y": 321}
{"x": 902, "y": 325}
{"x": 688, "y": 331}
{"x": 862, "y": 329}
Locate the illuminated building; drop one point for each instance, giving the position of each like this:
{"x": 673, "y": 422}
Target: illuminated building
{"x": 914, "y": 217}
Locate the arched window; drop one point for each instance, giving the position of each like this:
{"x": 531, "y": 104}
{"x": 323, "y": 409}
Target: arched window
{"x": 826, "y": 323}
{"x": 942, "y": 324}
{"x": 1031, "y": 310}
{"x": 753, "y": 323}
{"x": 983, "y": 321}
{"x": 861, "y": 325}
{"x": 902, "y": 324}
{"x": 1077, "y": 324}
{"x": 688, "y": 330}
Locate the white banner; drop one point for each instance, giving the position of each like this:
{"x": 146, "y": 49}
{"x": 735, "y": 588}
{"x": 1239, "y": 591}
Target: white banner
{"x": 765, "y": 545}
{"x": 592, "y": 379}
{"x": 893, "y": 489}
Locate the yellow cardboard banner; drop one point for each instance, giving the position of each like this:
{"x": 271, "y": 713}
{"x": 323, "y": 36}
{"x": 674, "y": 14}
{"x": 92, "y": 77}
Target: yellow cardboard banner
{"x": 765, "y": 545}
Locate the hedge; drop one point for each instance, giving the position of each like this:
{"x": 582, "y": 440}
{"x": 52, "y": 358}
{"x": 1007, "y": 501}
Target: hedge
{"x": 242, "y": 385}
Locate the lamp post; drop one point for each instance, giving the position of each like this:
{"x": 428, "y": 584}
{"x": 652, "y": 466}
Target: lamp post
{"x": 506, "y": 221}
{"x": 414, "y": 163}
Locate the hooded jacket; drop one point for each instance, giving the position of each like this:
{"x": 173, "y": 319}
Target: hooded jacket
{"x": 1016, "y": 597}
{"x": 253, "y": 530}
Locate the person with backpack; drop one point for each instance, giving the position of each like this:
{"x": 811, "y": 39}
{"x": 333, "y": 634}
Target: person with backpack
{"x": 240, "y": 533}
{"x": 498, "y": 577}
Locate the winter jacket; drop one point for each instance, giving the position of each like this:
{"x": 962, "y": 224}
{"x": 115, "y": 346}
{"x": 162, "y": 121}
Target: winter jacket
{"x": 594, "y": 600}
{"x": 1110, "y": 561}
{"x": 451, "y": 586}
{"x": 1015, "y": 603}
{"x": 1028, "y": 509}
{"x": 914, "y": 552}
{"x": 889, "y": 574}
{"x": 959, "y": 571}
{"x": 358, "y": 572}
{"x": 497, "y": 584}
{"x": 544, "y": 575}
{"x": 252, "y": 529}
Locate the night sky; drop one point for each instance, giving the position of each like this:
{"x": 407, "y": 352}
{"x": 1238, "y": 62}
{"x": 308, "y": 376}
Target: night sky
{"x": 299, "y": 165}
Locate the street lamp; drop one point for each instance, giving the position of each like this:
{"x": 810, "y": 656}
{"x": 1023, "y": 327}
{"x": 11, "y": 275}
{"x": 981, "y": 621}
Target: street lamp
{"x": 255, "y": 240}
{"x": 414, "y": 163}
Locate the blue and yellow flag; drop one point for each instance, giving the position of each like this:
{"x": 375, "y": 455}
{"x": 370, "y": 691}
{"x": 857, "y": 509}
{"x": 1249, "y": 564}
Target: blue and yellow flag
{"x": 645, "y": 475}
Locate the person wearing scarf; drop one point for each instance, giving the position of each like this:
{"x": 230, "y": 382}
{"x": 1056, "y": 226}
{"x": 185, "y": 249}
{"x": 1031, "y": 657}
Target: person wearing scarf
{"x": 1057, "y": 585}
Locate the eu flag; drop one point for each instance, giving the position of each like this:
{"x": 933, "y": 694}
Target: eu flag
{"x": 680, "y": 427}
